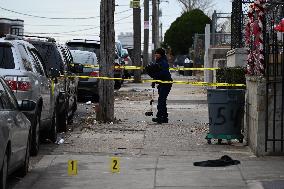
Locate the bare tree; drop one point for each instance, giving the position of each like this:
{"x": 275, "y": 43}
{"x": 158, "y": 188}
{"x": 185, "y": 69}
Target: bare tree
{"x": 188, "y": 5}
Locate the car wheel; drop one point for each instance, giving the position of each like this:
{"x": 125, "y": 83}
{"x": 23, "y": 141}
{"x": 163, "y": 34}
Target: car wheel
{"x": 75, "y": 105}
{"x": 35, "y": 136}
{"x": 25, "y": 168}
{"x": 74, "y": 109}
{"x": 117, "y": 84}
{"x": 96, "y": 98}
{"x": 62, "y": 120}
{"x": 4, "y": 172}
{"x": 53, "y": 128}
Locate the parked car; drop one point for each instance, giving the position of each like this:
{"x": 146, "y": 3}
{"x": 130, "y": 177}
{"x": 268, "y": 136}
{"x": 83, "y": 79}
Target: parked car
{"x": 58, "y": 62}
{"x": 94, "y": 46}
{"x": 87, "y": 87}
{"x": 22, "y": 68}
{"x": 180, "y": 60}
{"x": 126, "y": 61}
{"x": 15, "y": 130}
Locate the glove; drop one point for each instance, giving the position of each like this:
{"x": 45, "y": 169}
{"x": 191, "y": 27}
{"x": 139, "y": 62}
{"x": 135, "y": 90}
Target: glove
{"x": 153, "y": 84}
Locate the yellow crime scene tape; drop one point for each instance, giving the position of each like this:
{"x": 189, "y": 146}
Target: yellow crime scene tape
{"x": 194, "y": 83}
{"x": 141, "y": 68}
{"x": 159, "y": 81}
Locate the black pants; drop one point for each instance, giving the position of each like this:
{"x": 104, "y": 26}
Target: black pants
{"x": 163, "y": 90}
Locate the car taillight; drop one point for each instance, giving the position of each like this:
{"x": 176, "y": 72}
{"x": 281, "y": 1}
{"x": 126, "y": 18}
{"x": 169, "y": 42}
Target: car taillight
{"x": 18, "y": 83}
{"x": 94, "y": 74}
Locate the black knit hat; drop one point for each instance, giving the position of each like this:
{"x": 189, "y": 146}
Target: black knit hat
{"x": 160, "y": 51}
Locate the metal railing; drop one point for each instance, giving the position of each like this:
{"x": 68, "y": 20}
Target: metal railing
{"x": 239, "y": 17}
{"x": 274, "y": 73}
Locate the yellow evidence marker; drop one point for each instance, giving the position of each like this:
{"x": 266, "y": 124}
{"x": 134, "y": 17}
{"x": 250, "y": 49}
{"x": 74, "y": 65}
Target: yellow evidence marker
{"x": 72, "y": 167}
{"x": 115, "y": 165}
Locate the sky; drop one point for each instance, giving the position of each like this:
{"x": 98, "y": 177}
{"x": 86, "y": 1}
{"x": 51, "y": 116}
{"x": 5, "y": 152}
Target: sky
{"x": 65, "y": 29}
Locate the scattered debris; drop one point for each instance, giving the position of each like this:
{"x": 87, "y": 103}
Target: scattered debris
{"x": 59, "y": 141}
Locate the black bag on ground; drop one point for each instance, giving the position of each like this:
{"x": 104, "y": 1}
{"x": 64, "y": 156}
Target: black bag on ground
{"x": 152, "y": 69}
{"x": 222, "y": 162}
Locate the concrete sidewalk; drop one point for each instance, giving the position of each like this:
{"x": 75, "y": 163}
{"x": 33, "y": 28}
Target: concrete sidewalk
{"x": 154, "y": 172}
{"x": 151, "y": 156}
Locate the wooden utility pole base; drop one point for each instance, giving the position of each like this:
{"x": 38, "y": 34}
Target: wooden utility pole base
{"x": 107, "y": 41}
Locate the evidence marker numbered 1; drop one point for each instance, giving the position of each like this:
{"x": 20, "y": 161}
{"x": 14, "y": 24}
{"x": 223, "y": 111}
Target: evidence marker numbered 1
{"x": 115, "y": 165}
{"x": 72, "y": 167}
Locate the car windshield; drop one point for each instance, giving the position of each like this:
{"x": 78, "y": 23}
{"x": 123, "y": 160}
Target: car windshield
{"x": 6, "y": 57}
{"x": 91, "y": 47}
{"x": 84, "y": 57}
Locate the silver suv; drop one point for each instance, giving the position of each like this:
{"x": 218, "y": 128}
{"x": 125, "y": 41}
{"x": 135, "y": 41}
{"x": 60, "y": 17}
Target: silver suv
{"x": 58, "y": 59}
{"x": 22, "y": 68}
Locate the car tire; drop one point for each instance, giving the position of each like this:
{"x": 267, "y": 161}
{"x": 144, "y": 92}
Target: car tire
{"x": 126, "y": 75}
{"x": 35, "y": 135}
{"x": 62, "y": 120}
{"x": 25, "y": 167}
{"x": 75, "y": 105}
{"x": 117, "y": 84}
{"x": 4, "y": 172}
{"x": 53, "y": 128}
{"x": 96, "y": 98}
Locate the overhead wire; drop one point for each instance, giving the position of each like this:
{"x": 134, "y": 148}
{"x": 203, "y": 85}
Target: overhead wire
{"x": 57, "y": 18}
{"x": 65, "y": 18}
{"x": 67, "y": 32}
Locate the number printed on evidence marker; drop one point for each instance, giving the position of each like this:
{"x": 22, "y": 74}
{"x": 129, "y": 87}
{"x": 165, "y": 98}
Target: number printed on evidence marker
{"x": 115, "y": 165}
{"x": 72, "y": 167}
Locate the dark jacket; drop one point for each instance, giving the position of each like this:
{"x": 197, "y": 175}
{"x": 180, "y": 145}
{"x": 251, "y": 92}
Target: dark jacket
{"x": 164, "y": 73}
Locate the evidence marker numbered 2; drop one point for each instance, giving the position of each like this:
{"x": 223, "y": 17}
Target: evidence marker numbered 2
{"x": 115, "y": 165}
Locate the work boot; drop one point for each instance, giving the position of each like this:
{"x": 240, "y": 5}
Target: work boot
{"x": 160, "y": 120}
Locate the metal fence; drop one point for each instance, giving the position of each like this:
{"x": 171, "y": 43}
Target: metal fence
{"x": 274, "y": 73}
{"x": 239, "y": 17}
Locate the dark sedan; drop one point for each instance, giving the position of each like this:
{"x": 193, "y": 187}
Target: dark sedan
{"x": 14, "y": 134}
{"x": 87, "y": 87}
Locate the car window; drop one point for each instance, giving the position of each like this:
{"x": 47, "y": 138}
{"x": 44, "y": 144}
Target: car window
{"x": 25, "y": 57}
{"x": 82, "y": 57}
{"x": 37, "y": 62}
{"x": 50, "y": 56}
{"x": 69, "y": 55}
{"x": 64, "y": 56}
{"x": 4, "y": 99}
{"x": 6, "y": 57}
{"x": 91, "y": 47}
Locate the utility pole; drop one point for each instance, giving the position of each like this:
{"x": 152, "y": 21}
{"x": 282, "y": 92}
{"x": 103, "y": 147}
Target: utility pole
{"x": 146, "y": 33}
{"x": 137, "y": 39}
{"x": 161, "y": 32}
{"x": 105, "y": 112}
{"x": 155, "y": 25}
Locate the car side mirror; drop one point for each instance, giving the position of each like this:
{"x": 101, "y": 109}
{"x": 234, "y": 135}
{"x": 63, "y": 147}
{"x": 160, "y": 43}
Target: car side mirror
{"x": 54, "y": 73}
{"x": 77, "y": 68}
{"x": 27, "y": 105}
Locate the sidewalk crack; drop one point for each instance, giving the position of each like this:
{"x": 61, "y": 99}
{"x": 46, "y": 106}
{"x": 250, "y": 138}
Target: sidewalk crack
{"x": 156, "y": 170}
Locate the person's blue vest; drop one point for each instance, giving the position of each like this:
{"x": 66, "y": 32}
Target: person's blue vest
{"x": 159, "y": 70}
